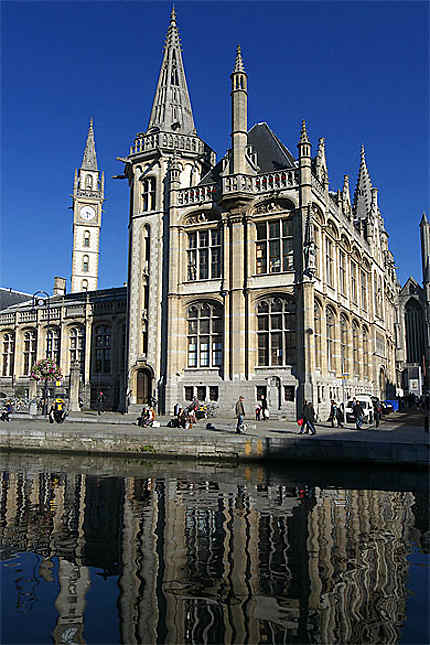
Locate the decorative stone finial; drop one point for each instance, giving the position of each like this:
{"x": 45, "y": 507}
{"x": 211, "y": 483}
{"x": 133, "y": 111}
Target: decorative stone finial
{"x": 238, "y": 65}
{"x": 303, "y": 133}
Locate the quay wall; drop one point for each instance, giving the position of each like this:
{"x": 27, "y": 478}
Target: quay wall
{"x": 213, "y": 447}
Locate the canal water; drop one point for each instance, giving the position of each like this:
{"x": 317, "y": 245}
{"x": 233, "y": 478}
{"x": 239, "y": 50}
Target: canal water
{"x": 97, "y": 550}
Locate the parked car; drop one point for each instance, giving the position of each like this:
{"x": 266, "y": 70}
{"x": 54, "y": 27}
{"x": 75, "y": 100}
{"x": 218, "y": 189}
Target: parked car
{"x": 366, "y": 404}
{"x": 387, "y": 407}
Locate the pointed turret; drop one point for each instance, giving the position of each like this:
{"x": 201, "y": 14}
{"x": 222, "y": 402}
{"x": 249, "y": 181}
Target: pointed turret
{"x": 89, "y": 160}
{"x": 171, "y": 109}
{"x": 363, "y": 191}
{"x": 346, "y": 197}
{"x": 425, "y": 248}
{"x": 321, "y": 163}
{"x": 239, "y": 117}
{"x": 303, "y": 134}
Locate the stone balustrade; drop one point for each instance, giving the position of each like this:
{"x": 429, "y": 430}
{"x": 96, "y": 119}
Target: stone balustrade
{"x": 196, "y": 195}
{"x": 27, "y": 316}
{"x": 54, "y": 313}
{"x": 261, "y": 183}
{"x": 144, "y": 142}
{"x": 75, "y": 310}
{"x": 7, "y": 319}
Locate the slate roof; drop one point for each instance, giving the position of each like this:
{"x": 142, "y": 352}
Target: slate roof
{"x": 9, "y": 297}
{"x": 271, "y": 153}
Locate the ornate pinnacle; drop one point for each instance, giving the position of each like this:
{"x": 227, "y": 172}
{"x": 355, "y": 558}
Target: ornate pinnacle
{"x": 238, "y": 65}
{"x": 303, "y": 133}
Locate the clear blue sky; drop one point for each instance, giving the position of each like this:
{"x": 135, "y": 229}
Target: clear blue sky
{"x": 357, "y": 72}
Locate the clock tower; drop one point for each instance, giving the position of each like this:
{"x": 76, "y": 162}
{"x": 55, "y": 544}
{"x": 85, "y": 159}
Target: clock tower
{"x": 88, "y": 197}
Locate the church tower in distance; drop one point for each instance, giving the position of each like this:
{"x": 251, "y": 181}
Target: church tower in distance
{"x": 88, "y": 197}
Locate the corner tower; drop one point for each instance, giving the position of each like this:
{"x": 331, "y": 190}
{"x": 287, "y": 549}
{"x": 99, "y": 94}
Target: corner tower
{"x": 170, "y": 139}
{"x": 88, "y": 197}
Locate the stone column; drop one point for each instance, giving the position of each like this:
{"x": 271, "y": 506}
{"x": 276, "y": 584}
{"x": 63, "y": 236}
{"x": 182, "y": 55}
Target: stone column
{"x": 74, "y": 387}
{"x": 237, "y": 302}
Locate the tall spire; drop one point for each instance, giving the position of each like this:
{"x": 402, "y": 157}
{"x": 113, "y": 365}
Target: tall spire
{"x": 171, "y": 109}
{"x": 321, "y": 163}
{"x": 89, "y": 160}
{"x": 238, "y": 65}
{"x": 303, "y": 133}
{"x": 363, "y": 191}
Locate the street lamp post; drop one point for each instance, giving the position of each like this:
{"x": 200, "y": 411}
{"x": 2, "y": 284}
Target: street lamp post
{"x": 42, "y": 298}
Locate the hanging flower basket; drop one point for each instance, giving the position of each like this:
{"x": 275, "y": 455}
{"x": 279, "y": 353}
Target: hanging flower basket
{"x": 46, "y": 369}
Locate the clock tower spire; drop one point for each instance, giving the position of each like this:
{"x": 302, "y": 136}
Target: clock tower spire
{"x": 88, "y": 197}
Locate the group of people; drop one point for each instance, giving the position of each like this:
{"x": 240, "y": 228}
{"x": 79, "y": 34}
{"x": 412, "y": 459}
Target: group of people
{"x": 147, "y": 417}
{"x": 262, "y": 409}
{"x": 57, "y": 412}
{"x": 6, "y": 411}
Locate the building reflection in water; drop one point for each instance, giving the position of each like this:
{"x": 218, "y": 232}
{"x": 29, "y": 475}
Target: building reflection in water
{"x": 201, "y": 561}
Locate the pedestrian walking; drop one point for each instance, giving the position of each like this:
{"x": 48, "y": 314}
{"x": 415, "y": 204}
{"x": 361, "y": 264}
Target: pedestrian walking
{"x": 240, "y": 414}
{"x": 258, "y": 411}
{"x": 264, "y": 408}
{"x": 308, "y": 416}
{"x": 358, "y": 414}
{"x": 333, "y": 413}
{"x": 100, "y": 403}
{"x": 340, "y": 415}
{"x": 377, "y": 412}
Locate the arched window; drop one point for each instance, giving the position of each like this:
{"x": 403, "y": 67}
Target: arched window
{"x": 30, "y": 344}
{"x": 8, "y": 354}
{"x": 148, "y": 194}
{"x": 276, "y": 331}
{"x": 205, "y": 335}
{"x": 53, "y": 344}
{"x": 414, "y": 323}
{"x": 103, "y": 349}
{"x": 343, "y": 344}
{"x": 365, "y": 352}
{"x": 85, "y": 263}
{"x": 317, "y": 334}
{"x": 84, "y": 285}
{"x": 275, "y": 246}
{"x": 329, "y": 262}
{"x": 330, "y": 337}
{"x": 355, "y": 352}
{"x": 86, "y": 238}
{"x": 77, "y": 346}
{"x": 89, "y": 182}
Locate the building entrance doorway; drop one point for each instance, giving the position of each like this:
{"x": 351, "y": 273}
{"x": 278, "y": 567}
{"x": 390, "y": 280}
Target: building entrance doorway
{"x": 144, "y": 386}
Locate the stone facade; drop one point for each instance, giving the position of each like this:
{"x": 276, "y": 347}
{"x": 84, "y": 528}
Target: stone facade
{"x": 247, "y": 276}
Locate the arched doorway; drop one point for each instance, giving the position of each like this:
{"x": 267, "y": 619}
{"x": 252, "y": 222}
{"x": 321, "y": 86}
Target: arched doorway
{"x": 382, "y": 384}
{"x": 143, "y": 386}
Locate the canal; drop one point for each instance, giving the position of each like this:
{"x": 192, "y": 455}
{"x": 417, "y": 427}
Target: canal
{"x": 112, "y": 550}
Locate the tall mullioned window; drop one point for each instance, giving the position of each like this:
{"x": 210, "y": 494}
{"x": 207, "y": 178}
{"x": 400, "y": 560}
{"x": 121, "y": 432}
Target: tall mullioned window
{"x": 330, "y": 339}
{"x": 30, "y": 344}
{"x": 355, "y": 349}
{"x": 329, "y": 262}
{"x": 317, "y": 335}
{"x": 276, "y": 331}
{"x": 148, "y": 194}
{"x": 103, "y": 349}
{"x": 8, "y": 353}
{"x": 77, "y": 346}
{"x": 343, "y": 344}
{"x": 353, "y": 281}
{"x": 275, "y": 246}
{"x": 365, "y": 352}
{"x": 342, "y": 272}
{"x": 204, "y": 255}
{"x": 205, "y": 335}
{"x": 53, "y": 344}
{"x": 364, "y": 290}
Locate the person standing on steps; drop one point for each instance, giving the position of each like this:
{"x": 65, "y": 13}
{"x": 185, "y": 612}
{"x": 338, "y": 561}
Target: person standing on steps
{"x": 264, "y": 408}
{"x": 240, "y": 414}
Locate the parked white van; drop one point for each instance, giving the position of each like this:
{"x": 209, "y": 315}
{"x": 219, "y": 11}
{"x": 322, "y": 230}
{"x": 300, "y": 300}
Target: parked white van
{"x": 366, "y": 404}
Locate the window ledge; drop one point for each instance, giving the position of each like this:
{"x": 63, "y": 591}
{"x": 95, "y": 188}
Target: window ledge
{"x": 199, "y": 369}
{"x": 266, "y": 275}
{"x": 201, "y": 280}
{"x": 260, "y": 368}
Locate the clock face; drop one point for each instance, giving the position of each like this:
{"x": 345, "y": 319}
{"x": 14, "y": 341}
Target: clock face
{"x": 87, "y": 213}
